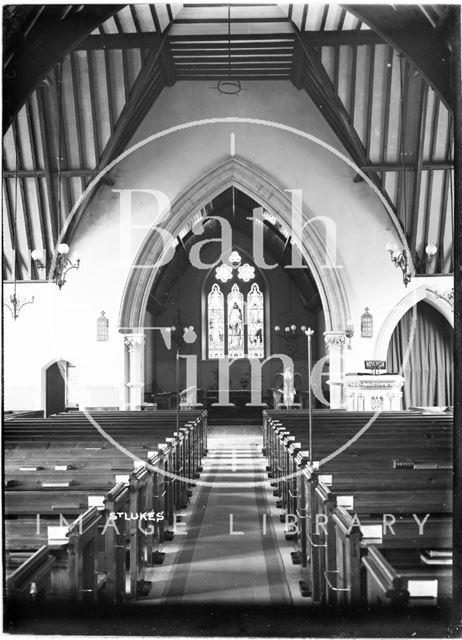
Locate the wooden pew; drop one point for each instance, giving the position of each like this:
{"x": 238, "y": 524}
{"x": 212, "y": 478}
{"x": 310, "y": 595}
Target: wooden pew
{"x": 32, "y": 579}
{"x": 398, "y": 490}
{"x": 65, "y": 439}
{"x": 396, "y": 577}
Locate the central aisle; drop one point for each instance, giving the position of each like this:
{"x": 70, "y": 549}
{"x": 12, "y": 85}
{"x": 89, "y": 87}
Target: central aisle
{"x": 228, "y": 552}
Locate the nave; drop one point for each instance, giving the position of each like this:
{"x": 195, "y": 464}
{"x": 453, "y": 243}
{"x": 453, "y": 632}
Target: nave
{"x": 229, "y": 552}
{"x": 218, "y": 582}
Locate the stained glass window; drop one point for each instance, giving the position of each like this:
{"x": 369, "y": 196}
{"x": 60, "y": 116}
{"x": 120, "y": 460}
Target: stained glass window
{"x": 216, "y": 322}
{"x": 236, "y": 316}
{"x": 235, "y": 323}
{"x": 255, "y": 322}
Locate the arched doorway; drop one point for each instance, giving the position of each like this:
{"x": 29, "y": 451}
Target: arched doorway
{"x": 59, "y": 386}
{"x": 428, "y": 371}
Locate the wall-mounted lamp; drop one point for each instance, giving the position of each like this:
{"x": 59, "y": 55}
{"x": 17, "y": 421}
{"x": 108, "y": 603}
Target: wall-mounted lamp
{"x": 349, "y": 332}
{"x": 62, "y": 266}
{"x": 63, "y": 263}
{"x": 38, "y": 256}
{"x": 421, "y": 262}
{"x": 401, "y": 259}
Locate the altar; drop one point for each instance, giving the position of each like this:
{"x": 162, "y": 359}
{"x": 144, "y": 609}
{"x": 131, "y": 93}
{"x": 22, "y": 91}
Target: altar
{"x": 373, "y": 392}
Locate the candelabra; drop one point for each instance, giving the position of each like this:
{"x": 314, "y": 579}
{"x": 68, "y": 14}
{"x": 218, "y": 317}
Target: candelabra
{"x": 16, "y": 304}
{"x": 290, "y": 333}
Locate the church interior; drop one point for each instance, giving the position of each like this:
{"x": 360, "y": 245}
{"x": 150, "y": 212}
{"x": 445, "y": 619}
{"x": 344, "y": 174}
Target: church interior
{"x": 241, "y": 419}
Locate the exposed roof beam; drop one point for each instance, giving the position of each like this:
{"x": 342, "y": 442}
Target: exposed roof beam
{"x": 143, "y": 94}
{"x": 10, "y": 207}
{"x": 429, "y": 165}
{"x": 387, "y": 98}
{"x": 94, "y": 115}
{"x": 319, "y": 86}
{"x": 52, "y": 216}
{"x": 258, "y": 20}
{"x": 146, "y": 39}
{"x": 140, "y": 100}
{"x": 406, "y": 28}
{"x": 38, "y": 183}
{"x": 420, "y": 140}
{"x": 44, "y": 44}
{"x": 248, "y": 76}
{"x": 447, "y": 186}
{"x": 41, "y": 173}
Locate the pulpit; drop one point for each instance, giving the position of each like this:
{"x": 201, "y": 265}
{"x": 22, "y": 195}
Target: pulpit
{"x": 373, "y": 392}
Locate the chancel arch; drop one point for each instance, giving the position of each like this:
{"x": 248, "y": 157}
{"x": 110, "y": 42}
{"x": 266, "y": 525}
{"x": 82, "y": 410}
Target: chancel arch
{"x": 269, "y": 194}
{"x": 232, "y": 307}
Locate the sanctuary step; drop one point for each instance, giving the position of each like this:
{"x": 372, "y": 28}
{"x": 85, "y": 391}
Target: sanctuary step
{"x": 234, "y": 415}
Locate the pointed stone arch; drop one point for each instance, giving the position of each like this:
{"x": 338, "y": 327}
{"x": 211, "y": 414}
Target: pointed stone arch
{"x": 273, "y": 197}
{"x": 410, "y": 300}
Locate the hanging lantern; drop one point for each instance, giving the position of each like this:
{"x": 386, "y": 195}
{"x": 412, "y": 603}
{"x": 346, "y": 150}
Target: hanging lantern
{"x": 367, "y": 324}
{"x": 102, "y": 328}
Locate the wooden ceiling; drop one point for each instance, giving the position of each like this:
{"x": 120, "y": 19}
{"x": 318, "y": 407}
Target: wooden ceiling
{"x": 82, "y": 112}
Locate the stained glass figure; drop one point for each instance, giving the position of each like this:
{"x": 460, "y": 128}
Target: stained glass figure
{"x": 235, "y": 323}
{"x": 216, "y": 322}
{"x": 255, "y": 318}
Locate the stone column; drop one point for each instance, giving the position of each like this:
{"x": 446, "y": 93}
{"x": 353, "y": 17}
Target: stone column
{"x": 135, "y": 384}
{"x": 335, "y": 342}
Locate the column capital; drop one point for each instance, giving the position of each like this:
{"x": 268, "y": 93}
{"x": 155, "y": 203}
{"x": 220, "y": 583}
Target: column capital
{"x": 134, "y": 341}
{"x": 334, "y": 339}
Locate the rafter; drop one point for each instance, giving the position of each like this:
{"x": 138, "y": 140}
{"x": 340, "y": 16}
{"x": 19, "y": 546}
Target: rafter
{"x": 63, "y": 145}
{"x": 78, "y": 118}
{"x": 427, "y": 165}
{"x": 420, "y": 140}
{"x": 407, "y": 30}
{"x": 370, "y": 89}
{"x": 47, "y": 155}
{"x": 320, "y": 87}
{"x": 144, "y": 91}
{"x": 37, "y": 182}
{"x": 429, "y": 189}
{"x": 24, "y": 196}
{"x": 16, "y": 267}
{"x": 386, "y": 108}
{"x": 94, "y": 115}
{"x": 26, "y": 68}
{"x": 143, "y": 40}
{"x": 138, "y": 104}
{"x": 447, "y": 186}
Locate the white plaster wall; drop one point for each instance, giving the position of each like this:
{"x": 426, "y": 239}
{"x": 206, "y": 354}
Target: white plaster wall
{"x": 63, "y": 323}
